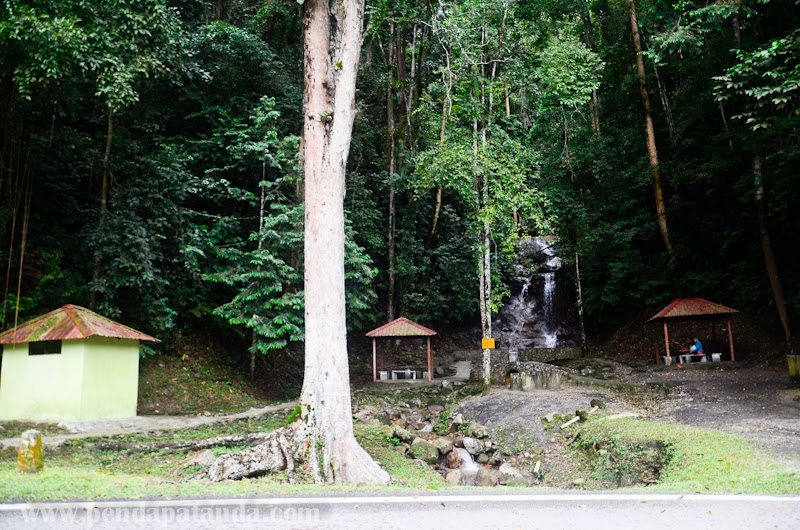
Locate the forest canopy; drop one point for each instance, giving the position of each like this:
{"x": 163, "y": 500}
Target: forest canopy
{"x": 151, "y": 170}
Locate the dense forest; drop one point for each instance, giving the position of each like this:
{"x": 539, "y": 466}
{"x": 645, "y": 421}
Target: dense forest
{"x": 150, "y": 153}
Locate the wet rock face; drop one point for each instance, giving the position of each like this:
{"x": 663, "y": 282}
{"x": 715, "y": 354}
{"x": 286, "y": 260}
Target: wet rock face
{"x": 453, "y": 460}
{"x": 539, "y": 312}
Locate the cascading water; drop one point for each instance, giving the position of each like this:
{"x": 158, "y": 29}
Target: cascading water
{"x": 519, "y": 306}
{"x": 550, "y": 336}
{"x": 468, "y": 466}
{"x": 535, "y": 316}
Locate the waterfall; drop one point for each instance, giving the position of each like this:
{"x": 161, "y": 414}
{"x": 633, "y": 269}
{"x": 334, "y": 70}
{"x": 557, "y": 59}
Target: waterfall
{"x": 468, "y": 466}
{"x": 549, "y": 335}
{"x": 536, "y": 315}
{"x": 519, "y": 305}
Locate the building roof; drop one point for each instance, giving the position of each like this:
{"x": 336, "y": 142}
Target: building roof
{"x": 401, "y": 327}
{"x": 692, "y": 309}
{"x": 70, "y": 322}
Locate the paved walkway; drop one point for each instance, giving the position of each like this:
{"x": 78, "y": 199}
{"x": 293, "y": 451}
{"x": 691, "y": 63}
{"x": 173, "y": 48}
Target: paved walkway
{"x": 93, "y": 429}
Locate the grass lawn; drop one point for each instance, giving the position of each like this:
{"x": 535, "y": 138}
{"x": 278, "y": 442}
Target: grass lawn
{"x": 682, "y": 459}
{"x": 694, "y": 460}
{"x": 85, "y": 473}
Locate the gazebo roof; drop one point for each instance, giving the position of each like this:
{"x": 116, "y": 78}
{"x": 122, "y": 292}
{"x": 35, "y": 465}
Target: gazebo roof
{"x": 401, "y": 327}
{"x": 692, "y": 309}
{"x": 70, "y": 322}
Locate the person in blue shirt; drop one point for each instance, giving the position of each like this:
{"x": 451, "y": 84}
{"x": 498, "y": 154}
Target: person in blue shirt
{"x": 697, "y": 347}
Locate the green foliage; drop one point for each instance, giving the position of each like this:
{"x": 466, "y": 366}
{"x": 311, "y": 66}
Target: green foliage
{"x": 569, "y": 71}
{"x": 262, "y": 268}
{"x": 206, "y": 114}
{"x": 296, "y": 412}
{"x": 115, "y": 43}
{"x": 770, "y": 77}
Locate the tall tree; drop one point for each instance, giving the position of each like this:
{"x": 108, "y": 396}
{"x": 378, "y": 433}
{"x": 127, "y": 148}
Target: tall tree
{"x": 333, "y": 34}
{"x": 652, "y": 150}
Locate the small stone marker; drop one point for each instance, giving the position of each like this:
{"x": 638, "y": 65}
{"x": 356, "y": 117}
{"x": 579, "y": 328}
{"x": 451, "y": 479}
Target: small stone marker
{"x": 30, "y": 456}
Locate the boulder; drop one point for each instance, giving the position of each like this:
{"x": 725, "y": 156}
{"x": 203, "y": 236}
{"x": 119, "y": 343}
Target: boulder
{"x": 487, "y": 477}
{"x": 402, "y": 434}
{"x": 597, "y": 403}
{"x": 425, "y": 451}
{"x": 444, "y": 445}
{"x": 204, "y": 458}
{"x": 510, "y": 471}
{"x": 472, "y": 446}
{"x": 458, "y": 419}
{"x": 496, "y": 458}
{"x": 476, "y": 430}
{"x": 453, "y": 460}
{"x": 455, "y": 477}
{"x": 367, "y": 415}
{"x": 483, "y": 458}
{"x": 436, "y": 409}
{"x": 458, "y": 440}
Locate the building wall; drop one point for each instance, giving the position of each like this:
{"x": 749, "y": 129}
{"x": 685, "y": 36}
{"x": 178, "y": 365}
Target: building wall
{"x": 41, "y": 387}
{"x": 91, "y": 379}
{"x": 110, "y": 378}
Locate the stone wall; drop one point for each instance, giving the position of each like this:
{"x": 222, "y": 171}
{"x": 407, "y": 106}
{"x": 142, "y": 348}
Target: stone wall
{"x": 547, "y": 355}
{"x": 533, "y": 358}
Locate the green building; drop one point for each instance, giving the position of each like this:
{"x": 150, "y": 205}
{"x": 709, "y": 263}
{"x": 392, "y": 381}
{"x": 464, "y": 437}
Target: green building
{"x": 70, "y": 364}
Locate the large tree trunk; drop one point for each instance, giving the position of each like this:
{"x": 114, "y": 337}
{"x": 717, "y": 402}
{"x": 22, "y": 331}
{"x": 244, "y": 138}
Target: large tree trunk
{"x": 763, "y": 228}
{"x": 447, "y": 105}
{"x": 769, "y": 255}
{"x": 658, "y": 190}
{"x": 594, "y": 103}
{"x": 105, "y": 184}
{"x": 332, "y": 50}
{"x": 391, "y": 140}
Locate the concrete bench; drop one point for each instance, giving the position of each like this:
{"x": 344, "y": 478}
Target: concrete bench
{"x": 692, "y": 358}
{"x": 406, "y": 373}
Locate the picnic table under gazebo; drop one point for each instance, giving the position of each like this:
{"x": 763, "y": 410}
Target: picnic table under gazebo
{"x": 398, "y": 329}
{"x": 694, "y": 309}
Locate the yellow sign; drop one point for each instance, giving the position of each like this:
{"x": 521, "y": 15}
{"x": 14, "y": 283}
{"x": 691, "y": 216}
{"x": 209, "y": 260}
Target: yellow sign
{"x": 487, "y": 344}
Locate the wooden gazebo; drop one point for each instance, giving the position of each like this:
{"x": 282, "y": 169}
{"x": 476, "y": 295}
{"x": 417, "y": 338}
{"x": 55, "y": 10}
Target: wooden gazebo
{"x": 400, "y": 328}
{"x": 688, "y": 309}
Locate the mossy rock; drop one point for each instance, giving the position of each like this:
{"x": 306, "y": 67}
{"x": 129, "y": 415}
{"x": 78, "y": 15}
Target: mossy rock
{"x": 425, "y": 451}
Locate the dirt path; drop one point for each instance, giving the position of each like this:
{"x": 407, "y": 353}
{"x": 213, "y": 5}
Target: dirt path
{"x": 92, "y": 429}
{"x": 755, "y": 403}
{"x": 752, "y": 402}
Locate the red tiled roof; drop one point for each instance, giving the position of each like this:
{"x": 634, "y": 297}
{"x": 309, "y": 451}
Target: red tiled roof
{"x": 401, "y": 327}
{"x": 691, "y": 308}
{"x": 70, "y": 322}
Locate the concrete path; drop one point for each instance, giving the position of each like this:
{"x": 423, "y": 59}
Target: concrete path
{"x": 94, "y": 429}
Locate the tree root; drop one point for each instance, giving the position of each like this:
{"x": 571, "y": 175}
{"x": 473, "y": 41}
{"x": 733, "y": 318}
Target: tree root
{"x": 272, "y": 456}
{"x": 183, "y": 447}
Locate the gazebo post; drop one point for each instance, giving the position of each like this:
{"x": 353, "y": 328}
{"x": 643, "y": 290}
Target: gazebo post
{"x": 430, "y": 364}
{"x": 374, "y": 361}
{"x": 666, "y": 344}
{"x": 730, "y": 340}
